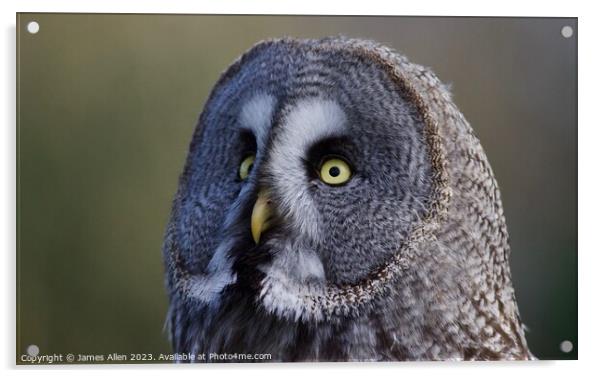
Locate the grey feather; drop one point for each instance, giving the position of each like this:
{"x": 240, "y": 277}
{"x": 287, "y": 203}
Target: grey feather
{"x": 406, "y": 261}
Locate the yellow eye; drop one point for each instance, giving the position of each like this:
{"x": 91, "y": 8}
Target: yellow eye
{"x": 335, "y": 171}
{"x": 245, "y": 167}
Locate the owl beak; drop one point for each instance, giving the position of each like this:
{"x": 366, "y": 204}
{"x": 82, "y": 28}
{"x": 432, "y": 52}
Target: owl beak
{"x": 260, "y": 218}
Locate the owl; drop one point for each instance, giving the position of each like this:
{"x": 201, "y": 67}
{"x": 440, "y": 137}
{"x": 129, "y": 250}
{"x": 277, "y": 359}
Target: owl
{"x": 335, "y": 205}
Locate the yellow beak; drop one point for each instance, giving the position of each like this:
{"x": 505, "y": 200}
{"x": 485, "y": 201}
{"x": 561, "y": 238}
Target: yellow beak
{"x": 260, "y": 218}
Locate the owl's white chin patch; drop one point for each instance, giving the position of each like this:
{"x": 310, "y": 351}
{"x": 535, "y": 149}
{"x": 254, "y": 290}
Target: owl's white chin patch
{"x": 291, "y": 300}
{"x": 293, "y": 278}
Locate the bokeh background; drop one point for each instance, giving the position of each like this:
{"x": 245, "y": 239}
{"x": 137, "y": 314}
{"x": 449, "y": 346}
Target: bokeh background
{"x": 106, "y": 108}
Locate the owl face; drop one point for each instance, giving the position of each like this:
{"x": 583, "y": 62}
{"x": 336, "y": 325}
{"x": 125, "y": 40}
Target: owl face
{"x": 336, "y": 205}
{"x": 309, "y": 168}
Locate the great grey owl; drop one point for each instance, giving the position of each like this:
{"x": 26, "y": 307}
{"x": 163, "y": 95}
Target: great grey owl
{"x": 335, "y": 205}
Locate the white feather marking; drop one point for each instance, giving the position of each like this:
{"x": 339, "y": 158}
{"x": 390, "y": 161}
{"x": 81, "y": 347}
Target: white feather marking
{"x": 309, "y": 121}
{"x": 289, "y": 299}
{"x": 206, "y": 288}
{"x": 294, "y": 277}
{"x": 256, "y": 115}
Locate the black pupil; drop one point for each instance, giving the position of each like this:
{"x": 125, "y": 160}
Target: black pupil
{"x": 250, "y": 167}
{"x": 334, "y": 171}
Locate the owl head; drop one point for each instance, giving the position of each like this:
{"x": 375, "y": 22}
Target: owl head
{"x": 318, "y": 180}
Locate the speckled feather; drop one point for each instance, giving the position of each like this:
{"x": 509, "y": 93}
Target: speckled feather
{"x": 408, "y": 261}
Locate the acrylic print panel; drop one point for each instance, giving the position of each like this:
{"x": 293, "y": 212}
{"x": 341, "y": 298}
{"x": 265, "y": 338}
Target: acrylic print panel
{"x": 402, "y": 190}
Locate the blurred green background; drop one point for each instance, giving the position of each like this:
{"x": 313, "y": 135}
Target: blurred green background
{"x": 106, "y": 108}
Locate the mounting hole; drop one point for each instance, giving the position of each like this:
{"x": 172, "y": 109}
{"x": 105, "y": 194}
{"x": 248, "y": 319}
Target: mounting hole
{"x": 33, "y": 350}
{"x": 33, "y": 27}
{"x": 566, "y": 31}
{"x": 566, "y": 346}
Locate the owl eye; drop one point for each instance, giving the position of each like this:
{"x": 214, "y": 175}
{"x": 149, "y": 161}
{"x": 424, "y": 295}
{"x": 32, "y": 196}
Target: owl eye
{"x": 335, "y": 171}
{"x": 245, "y": 167}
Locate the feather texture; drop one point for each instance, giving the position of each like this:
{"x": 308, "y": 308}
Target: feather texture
{"x": 409, "y": 260}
